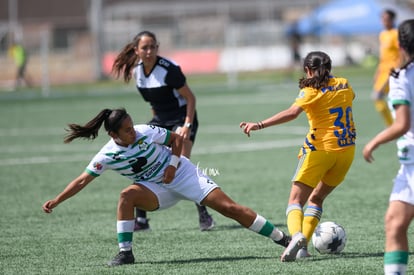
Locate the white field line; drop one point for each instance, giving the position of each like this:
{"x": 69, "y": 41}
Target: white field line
{"x": 89, "y": 149}
{"x": 215, "y": 149}
{"x": 209, "y": 129}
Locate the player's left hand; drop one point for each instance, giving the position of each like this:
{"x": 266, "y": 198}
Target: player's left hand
{"x": 169, "y": 174}
{"x": 367, "y": 152}
{"x": 48, "y": 206}
{"x": 248, "y": 126}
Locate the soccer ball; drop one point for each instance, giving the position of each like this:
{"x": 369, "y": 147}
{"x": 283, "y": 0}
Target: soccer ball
{"x": 329, "y": 238}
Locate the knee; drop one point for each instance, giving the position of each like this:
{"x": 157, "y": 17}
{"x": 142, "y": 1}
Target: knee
{"x": 395, "y": 225}
{"x": 126, "y": 196}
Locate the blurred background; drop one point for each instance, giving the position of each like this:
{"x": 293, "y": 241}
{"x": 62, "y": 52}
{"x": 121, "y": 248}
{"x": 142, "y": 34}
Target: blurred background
{"x": 76, "y": 41}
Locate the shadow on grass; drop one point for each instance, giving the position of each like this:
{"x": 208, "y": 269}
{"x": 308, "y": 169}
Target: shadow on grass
{"x": 345, "y": 255}
{"x": 205, "y": 260}
{"x": 223, "y": 227}
{"x": 238, "y": 226}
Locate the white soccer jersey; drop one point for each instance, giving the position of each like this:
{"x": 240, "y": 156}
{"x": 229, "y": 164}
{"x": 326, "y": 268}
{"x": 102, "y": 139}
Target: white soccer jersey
{"x": 145, "y": 160}
{"x": 402, "y": 92}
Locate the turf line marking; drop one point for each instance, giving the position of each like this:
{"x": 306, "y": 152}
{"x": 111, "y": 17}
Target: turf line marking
{"x": 217, "y": 149}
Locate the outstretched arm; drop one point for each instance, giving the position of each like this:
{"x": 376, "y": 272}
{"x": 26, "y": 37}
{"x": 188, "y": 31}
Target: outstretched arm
{"x": 284, "y": 116}
{"x": 71, "y": 189}
{"x": 399, "y": 127}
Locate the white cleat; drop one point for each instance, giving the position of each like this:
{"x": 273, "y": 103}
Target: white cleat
{"x": 298, "y": 241}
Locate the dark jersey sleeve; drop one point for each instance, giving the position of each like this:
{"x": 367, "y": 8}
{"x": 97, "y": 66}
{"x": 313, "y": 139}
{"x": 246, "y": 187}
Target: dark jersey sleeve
{"x": 175, "y": 77}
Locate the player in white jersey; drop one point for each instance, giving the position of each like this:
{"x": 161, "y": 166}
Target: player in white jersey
{"x": 161, "y": 83}
{"x": 150, "y": 156}
{"x": 400, "y": 210}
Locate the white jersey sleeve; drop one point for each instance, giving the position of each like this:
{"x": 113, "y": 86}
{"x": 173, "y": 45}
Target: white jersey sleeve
{"x": 402, "y": 93}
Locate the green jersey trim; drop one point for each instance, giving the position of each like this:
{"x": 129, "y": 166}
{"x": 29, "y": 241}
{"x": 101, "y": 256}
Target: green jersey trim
{"x": 167, "y": 137}
{"x": 401, "y": 102}
{"x": 91, "y": 173}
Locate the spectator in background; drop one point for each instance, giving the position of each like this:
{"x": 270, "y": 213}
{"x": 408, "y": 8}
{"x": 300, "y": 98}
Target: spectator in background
{"x": 295, "y": 40}
{"x": 20, "y": 58}
{"x": 388, "y": 59}
{"x": 161, "y": 83}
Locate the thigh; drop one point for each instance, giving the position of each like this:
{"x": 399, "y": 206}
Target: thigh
{"x": 312, "y": 167}
{"x": 190, "y": 182}
{"x": 403, "y": 188}
{"x": 399, "y": 214}
{"x": 342, "y": 162}
{"x": 151, "y": 196}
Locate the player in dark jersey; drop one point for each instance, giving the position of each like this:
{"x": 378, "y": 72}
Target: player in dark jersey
{"x": 161, "y": 83}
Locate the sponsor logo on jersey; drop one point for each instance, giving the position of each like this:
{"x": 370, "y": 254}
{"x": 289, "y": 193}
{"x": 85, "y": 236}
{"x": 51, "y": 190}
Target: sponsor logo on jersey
{"x": 151, "y": 170}
{"x": 97, "y": 166}
{"x": 142, "y": 145}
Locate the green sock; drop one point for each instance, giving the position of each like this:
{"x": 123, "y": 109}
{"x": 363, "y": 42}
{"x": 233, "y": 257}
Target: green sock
{"x": 395, "y": 262}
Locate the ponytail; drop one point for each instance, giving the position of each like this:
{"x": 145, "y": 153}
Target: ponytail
{"x": 125, "y": 62}
{"x": 112, "y": 120}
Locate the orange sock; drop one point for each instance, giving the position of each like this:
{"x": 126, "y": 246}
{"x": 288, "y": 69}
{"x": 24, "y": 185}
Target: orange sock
{"x": 310, "y": 221}
{"x": 294, "y": 215}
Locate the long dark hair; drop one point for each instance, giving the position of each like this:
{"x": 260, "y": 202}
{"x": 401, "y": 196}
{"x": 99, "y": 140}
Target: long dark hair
{"x": 127, "y": 59}
{"x": 320, "y": 64}
{"x": 406, "y": 37}
{"x": 112, "y": 120}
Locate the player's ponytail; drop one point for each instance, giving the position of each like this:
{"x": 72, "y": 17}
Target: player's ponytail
{"x": 112, "y": 120}
{"x": 127, "y": 59}
{"x": 125, "y": 62}
{"x": 406, "y": 37}
{"x": 320, "y": 64}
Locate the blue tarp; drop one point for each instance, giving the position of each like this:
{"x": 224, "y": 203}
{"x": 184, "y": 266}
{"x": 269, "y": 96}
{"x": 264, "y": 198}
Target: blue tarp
{"x": 347, "y": 17}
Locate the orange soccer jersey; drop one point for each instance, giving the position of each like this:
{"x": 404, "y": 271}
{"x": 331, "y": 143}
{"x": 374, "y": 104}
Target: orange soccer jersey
{"x": 329, "y": 112}
{"x": 388, "y": 57}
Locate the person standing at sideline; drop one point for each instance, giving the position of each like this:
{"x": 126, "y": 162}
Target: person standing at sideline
{"x": 388, "y": 59}
{"x": 400, "y": 210}
{"x": 328, "y": 150}
{"x": 20, "y": 58}
{"x": 161, "y": 83}
{"x": 150, "y": 156}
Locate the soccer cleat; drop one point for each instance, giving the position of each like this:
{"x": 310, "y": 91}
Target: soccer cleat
{"x": 206, "y": 221}
{"x": 123, "y": 257}
{"x": 303, "y": 253}
{"x": 284, "y": 241}
{"x": 298, "y": 241}
{"x": 141, "y": 226}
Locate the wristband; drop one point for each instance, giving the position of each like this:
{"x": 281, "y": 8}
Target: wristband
{"x": 174, "y": 161}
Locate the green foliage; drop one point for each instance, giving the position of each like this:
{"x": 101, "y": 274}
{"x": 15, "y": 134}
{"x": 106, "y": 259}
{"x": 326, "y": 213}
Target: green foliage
{"x": 79, "y": 237}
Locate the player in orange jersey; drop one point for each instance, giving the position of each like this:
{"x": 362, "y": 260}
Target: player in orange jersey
{"x": 327, "y": 153}
{"x": 388, "y": 60}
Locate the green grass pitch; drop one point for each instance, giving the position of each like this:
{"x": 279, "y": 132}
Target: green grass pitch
{"x": 80, "y": 236}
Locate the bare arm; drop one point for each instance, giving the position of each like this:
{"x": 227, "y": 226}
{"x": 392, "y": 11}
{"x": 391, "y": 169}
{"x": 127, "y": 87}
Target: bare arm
{"x": 186, "y": 92}
{"x": 71, "y": 189}
{"x": 399, "y": 127}
{"x": 284, "y": 116}
{"x": 176, "y": 142}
